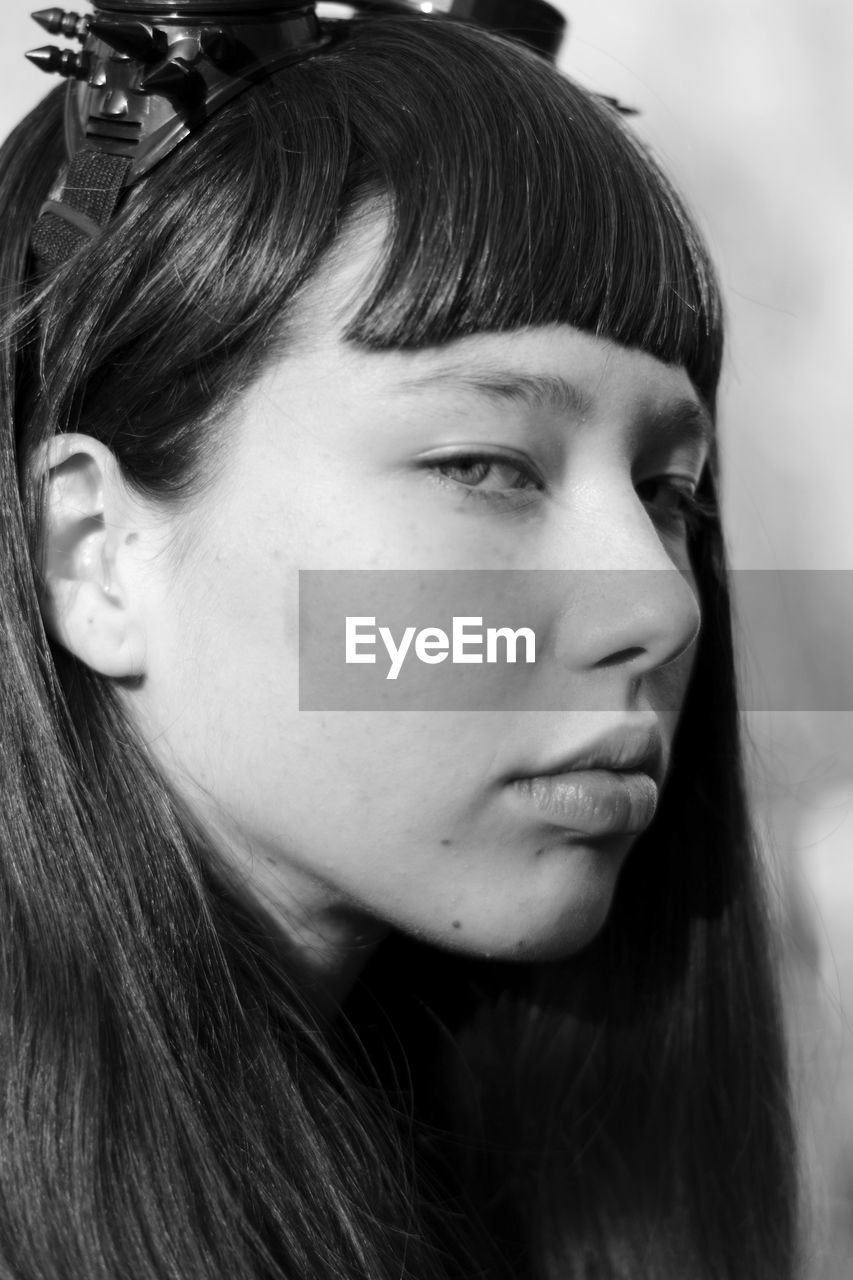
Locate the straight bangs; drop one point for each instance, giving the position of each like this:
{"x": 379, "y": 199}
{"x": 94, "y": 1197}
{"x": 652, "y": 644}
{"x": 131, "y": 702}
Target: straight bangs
{"x": 516, "y": 199}
{"x": 513, "y": 198}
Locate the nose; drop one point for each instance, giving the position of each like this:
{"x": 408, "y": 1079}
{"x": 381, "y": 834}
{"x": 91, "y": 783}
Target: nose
{"x": 625, "y": 607}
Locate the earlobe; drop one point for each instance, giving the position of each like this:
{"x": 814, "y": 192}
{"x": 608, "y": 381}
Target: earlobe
{"x": 90, "y": 597}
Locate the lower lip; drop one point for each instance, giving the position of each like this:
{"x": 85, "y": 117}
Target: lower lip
{"x": 594, "y": 802}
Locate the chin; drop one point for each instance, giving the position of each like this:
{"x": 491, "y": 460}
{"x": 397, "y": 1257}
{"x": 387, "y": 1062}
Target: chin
{"x": 528, "y": 937}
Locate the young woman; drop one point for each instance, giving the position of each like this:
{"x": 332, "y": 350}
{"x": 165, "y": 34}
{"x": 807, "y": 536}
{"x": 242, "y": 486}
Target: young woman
{"x": 379, "y": 994}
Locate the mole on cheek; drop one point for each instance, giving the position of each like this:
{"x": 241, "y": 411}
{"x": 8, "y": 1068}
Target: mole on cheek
{"x": 447, "y": 843}
{"x": 457, "y": 924}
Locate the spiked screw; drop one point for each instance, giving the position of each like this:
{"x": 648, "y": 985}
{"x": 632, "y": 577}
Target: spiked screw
{"x": 126, "y": 35}
{"x": 58, "y": 22}
{"x": 74, "y": 66}
{"x": 175, "y": 80}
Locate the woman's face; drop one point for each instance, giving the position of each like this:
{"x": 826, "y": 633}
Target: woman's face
{"x": 543, "y": 449}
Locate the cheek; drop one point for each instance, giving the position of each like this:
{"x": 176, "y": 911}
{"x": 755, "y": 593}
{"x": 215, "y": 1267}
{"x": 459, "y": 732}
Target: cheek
{"x": 395, "y": 776}
{"x": 230, "y": 724}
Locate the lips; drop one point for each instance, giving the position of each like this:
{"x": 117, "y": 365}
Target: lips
{"x": 607, "y": 787}
{"x": 595, "y": 802}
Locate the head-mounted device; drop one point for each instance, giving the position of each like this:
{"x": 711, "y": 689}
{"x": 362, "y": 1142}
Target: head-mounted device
{"x": 147, "y": 73}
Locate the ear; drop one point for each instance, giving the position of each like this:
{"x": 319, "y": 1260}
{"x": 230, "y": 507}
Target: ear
{"x": 90, "y": 568}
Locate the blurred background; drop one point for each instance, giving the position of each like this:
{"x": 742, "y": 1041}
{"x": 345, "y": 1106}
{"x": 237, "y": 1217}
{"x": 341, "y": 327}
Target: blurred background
{"x": 748, "y": 104}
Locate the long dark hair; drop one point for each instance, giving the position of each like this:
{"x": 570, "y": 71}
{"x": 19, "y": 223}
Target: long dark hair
{"x": 168, "y": 1106}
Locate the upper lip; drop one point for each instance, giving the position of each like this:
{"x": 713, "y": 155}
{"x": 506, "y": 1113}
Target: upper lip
{"x": 629, "y": 748}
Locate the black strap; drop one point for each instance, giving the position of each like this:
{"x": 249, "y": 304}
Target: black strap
{"x": 93, "y": 184}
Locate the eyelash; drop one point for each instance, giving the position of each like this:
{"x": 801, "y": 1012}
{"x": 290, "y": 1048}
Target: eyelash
{"x": 689, "y": 512}
{"x": 515, "y": 496}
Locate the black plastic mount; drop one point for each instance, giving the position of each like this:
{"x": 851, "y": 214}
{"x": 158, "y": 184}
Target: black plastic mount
{"x": 150, "y": 73}
{"x": 139, "y": 86}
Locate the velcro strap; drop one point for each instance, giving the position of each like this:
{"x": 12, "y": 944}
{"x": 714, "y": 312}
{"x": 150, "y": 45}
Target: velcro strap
{"x": 91, "y": 190}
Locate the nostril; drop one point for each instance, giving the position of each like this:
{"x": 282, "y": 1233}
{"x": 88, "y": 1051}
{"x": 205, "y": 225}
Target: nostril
{"x": 620, "y": 658}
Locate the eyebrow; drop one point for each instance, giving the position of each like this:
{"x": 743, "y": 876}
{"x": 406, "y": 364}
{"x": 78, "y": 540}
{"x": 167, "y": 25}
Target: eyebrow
{"x": 680, "y": 418}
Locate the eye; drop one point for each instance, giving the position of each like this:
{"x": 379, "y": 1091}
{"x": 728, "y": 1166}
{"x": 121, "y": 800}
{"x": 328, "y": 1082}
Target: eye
{"x": 497, "y": 478}
{"x": 674, "y": 504}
